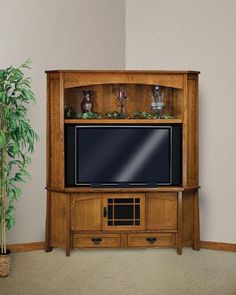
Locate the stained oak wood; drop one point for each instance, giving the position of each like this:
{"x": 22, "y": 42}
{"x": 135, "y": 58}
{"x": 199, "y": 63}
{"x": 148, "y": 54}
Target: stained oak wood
{"x": 95, "y": 240}
{"x": 60, "y": 214}
{"x": 75, "y": 79}
{"x": 48, "y": 247}
{"x": 161, "y": 211}
{"x": 86, "y": 212}
{"x": 55, "y": 133}
{"x": 119, "y": 190}
{"x": 75, "y": 212}
{"x": 187, "y": 216}
{"x": 53, "y": 72}
{"x": 180, "y": 223}
{"x": 151, "y": 240}
{"x": 190, "y": 215}
{"x": 196, "y": 222}
{"x": 190, "y": 132}
{"x": 124, "y": 240}
{"x": 123, "y": 121}
{"x": 68, "y": 225}
{"x": 141, "y": 226}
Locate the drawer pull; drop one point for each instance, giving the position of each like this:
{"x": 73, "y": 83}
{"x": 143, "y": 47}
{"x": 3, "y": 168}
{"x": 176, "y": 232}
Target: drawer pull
{"x": 151, "y": 240}
{"x": 96, "y": 240}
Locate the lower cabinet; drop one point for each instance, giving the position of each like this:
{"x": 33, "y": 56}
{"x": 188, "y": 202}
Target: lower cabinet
{"x": 122, "y": 220}
{"x": 116, "y": 220}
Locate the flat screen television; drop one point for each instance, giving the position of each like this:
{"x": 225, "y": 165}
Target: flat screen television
{"x": 123, "y": 155}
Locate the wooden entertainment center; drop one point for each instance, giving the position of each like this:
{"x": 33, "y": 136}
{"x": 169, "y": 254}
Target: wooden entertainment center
{"x": 165, "y": 216}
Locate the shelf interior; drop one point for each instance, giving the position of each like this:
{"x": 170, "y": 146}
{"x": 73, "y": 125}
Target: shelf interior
{"x": 139, "y": 99}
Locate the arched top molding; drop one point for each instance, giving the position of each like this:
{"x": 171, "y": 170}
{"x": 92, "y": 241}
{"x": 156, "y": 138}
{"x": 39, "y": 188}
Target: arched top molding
{"x": 72, "y": 79}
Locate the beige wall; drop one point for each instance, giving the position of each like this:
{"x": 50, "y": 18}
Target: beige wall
{"x": 198, "y": 35}
{"x": 147, "y": 34}
{"x": 72, "y": 34}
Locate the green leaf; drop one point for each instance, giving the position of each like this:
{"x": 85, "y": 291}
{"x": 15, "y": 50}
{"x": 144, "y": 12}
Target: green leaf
{"x": 17, "y": 137}
{"x": 2, "y": 139}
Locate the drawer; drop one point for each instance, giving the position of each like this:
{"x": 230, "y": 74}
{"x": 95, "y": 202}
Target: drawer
{"x": 151, "y": 240}
{"x": 96, "y": 240}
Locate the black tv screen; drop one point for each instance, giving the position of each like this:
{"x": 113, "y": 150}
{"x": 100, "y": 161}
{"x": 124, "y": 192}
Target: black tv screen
{"x": 122, "y": 156}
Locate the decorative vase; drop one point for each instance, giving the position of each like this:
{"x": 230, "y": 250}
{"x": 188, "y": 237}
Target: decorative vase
{"x": 157, "y": 104}
{"x": 5, "y": 262}
{"x": 86, "y": 104}
{"x": 121, "y": 96}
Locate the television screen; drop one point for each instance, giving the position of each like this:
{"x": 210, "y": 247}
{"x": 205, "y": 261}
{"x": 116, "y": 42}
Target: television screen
{"x": 123, "y": 155}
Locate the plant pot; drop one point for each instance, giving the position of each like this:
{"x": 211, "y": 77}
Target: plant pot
{"x": 5, "y": 262}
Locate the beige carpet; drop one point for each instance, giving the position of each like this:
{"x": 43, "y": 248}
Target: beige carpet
{"x": 122, "y": 272}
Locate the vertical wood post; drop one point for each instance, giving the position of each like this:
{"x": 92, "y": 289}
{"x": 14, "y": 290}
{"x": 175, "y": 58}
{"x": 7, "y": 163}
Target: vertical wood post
{"x": 196, "y": 223}
{"x": 48, "y": 247}
{"x": 68, "y": 225}
{"x": 180, "y": 224}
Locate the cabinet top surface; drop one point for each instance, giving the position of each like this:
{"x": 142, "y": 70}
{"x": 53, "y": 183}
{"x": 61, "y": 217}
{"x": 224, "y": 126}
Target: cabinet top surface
{"x": 126, "y": 71}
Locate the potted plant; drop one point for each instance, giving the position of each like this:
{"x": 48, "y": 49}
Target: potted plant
{"x": 17, "y": 139}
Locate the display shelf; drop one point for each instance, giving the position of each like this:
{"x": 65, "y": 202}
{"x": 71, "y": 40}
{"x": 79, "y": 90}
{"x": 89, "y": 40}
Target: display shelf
{"x": 120, "y": 190}
{"x": 123, "y": 121}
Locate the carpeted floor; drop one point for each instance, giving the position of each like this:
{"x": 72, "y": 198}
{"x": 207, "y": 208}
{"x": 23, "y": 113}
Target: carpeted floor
{"x": 122, "y": 272}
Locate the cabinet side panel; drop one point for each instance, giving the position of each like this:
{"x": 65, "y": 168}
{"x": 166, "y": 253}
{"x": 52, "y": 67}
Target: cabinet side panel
{"x": 190, "y": 134}
{"x": 188, "y": 215}
{"x": 55, "y": 134}
{"x": 59, "y": 215}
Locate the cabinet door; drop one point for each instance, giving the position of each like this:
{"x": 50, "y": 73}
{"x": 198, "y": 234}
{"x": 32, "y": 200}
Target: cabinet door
{"x": 86, "y": 212}
{"x": 123, "y": 212}
{"x": 161, "y": 211}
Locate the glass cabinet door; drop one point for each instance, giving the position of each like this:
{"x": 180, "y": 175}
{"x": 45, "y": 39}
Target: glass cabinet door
{"x": 123, "y": 211}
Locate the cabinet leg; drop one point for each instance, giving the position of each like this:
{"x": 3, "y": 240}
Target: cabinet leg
{"x": 47, "y": 246}
{"x": 68, "y": 226}
{"x": 180, "y": 224}
{"x": 196, "y": 223}
{"x": 68, "y": 252}
{"x": 179, "y": 250}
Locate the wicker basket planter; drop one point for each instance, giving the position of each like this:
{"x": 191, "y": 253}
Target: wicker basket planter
{"x": 5, "y": 262}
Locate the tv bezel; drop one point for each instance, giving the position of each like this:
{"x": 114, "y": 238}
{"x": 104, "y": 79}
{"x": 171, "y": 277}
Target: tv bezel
{"x": 124, "y": 184}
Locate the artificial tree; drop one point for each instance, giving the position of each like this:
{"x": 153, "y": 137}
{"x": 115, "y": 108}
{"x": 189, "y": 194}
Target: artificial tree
{"x": 17, "y": 139}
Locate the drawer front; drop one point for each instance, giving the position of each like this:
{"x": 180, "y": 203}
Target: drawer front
{"x": 151, "y": 240}
{"x": 96, "y": 240}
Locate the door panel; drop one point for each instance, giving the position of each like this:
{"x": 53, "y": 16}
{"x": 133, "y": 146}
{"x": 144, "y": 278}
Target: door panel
{"x": 161, "y": 211}
{"x": 86, "y": 212}
{"x": 123, "y": 211}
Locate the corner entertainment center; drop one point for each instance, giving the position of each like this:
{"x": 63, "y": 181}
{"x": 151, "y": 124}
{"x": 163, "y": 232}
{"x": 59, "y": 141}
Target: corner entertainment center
{"x": 128, "y": 179}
